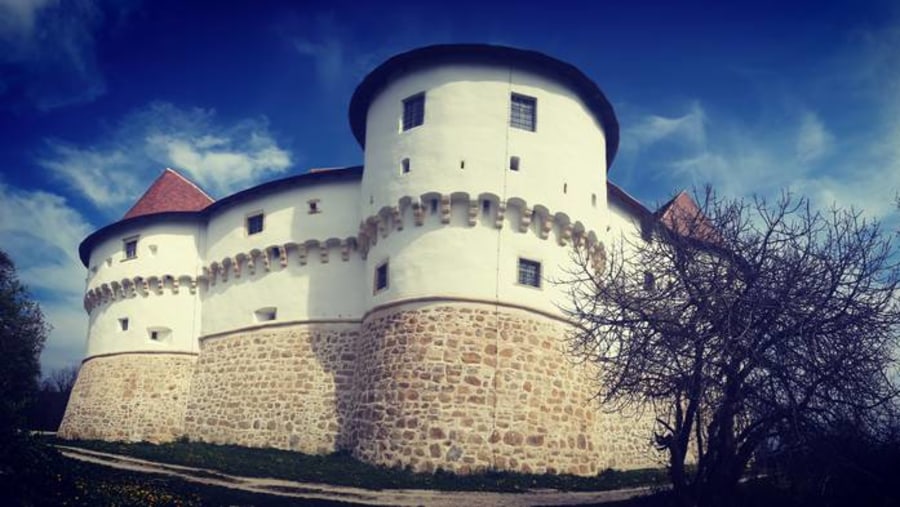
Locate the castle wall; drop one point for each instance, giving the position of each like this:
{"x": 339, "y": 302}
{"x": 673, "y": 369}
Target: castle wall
{"x": 283, "y": 386}
{"x": 132, "y": 397}
{"x": 469, "y": 386}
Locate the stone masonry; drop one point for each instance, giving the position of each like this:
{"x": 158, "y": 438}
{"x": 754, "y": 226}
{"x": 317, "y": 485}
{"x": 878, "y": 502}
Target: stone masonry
{"x": 288, "y": 387}
{"x": 459, "y": 386}
{"x": 468, "y": 387}
{"x": 129, "y": 397}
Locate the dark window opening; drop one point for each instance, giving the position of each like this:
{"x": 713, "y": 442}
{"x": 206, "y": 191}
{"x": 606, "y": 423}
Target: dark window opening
{"x": 404, "y": 164}
{"x": 123, "y": 324}
{"x": 131, "y": 248}
{"x": 434, "y": 206}
{"x": 649, "y": 281}
{"x": 529, "y": 272}
{"x": 513, "y": 163}
{"x": 255, "y": 224}
{"x": 486, "y": 207}
{"x": 523, "y": 112}
{"x": 314, "y": 206}
{"x": 413, "y": 111}
{"x": 381, "y": 277}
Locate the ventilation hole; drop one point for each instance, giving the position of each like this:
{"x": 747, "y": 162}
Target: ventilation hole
{"x": 513, "y": 163}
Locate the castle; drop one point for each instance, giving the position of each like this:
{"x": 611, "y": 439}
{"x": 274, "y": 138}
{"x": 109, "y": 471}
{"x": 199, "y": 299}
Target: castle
{"x": 403, "y": 310}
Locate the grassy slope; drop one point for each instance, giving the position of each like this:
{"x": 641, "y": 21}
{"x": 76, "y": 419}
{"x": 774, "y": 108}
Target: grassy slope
{"x": 342, "y": 469}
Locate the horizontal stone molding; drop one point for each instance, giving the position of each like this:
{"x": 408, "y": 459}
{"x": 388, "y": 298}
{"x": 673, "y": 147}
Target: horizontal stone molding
{"x": 462, "y": 300}
{"x": 138, "y": 353}
{"x": 276, "y": 325}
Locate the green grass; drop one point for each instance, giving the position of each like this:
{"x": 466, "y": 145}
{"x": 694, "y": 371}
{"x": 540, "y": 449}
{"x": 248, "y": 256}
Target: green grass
{"x": 344, "y": 470}
{"x": 86, "y": 484}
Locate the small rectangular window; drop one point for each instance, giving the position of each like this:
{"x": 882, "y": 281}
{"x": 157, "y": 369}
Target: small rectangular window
{"x": 413, "y": 111}
{"x": 123, "y": 324}
{"x": 529, "y": 272}
{"x": 381, "y": 277}
{"x": 594, "y": 200}
{"x": 154, "y": 335}
{"x": 523, "y": 112}
{"x": 649, "y": 282}
{"x": 130, "y": 247}
{"x": 404, "y": 165}
{"x": 486, "y": 207}
{"x": 314, "y": 206}
{"x": 266, "y": 314}
{"x": 255, "y": 223}
{"x": 513, "y": 163}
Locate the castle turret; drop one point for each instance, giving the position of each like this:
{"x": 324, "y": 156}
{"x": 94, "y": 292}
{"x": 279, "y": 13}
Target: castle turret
{"x": 144, "y": 314}
{"x": 483, "y": 164}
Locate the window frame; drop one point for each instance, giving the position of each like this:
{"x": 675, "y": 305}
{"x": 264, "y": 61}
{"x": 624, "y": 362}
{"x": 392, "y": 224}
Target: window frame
{"x": 413, "y": 112}
{"x": 522, "y": 281}
{"x": 523, "y": 112}
{"x": 251, "y": 216}
{"x": 130, "y": 240}
{"x": 382, "y": 268}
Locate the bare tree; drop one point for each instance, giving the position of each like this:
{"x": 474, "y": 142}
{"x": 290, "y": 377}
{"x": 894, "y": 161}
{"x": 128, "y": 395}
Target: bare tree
{"x": 740, "y": 323}
{"x": 61, "y": 380}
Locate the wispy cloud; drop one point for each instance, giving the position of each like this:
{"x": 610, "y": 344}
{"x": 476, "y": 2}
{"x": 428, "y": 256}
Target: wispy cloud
{"x": 220, "y": 156}
{"x": 47, "y": 49}
{"x": 813, "y": 140}
{"x": 41, "y": 232}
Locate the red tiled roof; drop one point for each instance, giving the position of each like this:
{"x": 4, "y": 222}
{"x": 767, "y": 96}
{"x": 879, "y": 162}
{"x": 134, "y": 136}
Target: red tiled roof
{"x": 683, "y": 216}
{"x": 170, "y": 192}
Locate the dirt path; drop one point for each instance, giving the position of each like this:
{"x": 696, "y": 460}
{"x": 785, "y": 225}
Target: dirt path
{"x": 399, "y": 497}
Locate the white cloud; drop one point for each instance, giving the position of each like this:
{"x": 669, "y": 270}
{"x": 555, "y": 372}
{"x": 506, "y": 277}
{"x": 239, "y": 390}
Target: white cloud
{"x": 41, "y": 233}
{"x": 652, "y": 129}
{"x": 220, "y": 156}
{"x": 50, "y": 48}
{"x": 813, "y": 140}
{"x": 96, "y": 174}
{"x": 328, "y": 55}
{"x": 740, "y": 159}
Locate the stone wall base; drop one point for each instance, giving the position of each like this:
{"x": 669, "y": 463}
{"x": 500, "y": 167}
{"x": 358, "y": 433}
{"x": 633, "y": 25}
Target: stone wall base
{"x": 287, "y": 387}
{"x": 468, "y": 387}
{"x": 459, "y": 386}
{"x": 130, "y": 397}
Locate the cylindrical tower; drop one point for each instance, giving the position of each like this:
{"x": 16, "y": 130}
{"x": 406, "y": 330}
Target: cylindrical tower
{"x": 144, "y": 316}
{"x": 481, "y": 164}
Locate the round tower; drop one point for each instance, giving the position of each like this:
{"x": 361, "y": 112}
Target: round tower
{"x": 482, "y": 164}
{"x": 144, "y": 315}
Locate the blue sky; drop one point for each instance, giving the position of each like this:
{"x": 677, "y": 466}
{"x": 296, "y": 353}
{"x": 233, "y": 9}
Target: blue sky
{"x": 96, "y": 98}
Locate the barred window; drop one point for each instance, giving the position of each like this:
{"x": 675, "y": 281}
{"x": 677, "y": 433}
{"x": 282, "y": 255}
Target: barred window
{"x": 413, "y": 111}
{"x": 523, "y": 112}
{"x": 529, "y": 272}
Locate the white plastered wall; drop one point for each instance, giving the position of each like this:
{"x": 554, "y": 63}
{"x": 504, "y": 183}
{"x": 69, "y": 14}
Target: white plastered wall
{"x": 163, "y": 249}
{"x": 303, "y": 290}
{"x": 467, "y": 108}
